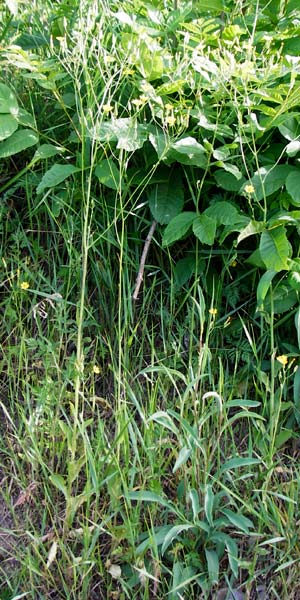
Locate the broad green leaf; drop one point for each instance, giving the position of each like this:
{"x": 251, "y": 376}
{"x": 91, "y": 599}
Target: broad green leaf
{"x": 255, "y": 259}
{"x": 8, "y": 125}
{"x": 275, "y": 249}
{"x": 108, "y": 174}
{"x": 8, "y": 101}
{"x": 155, "y": 539}
{"x": 17, "y": 142}
{"x": 239, "y": 521}
{"x": 173, "y": 535}
{"x": 263, "y": 287}
{"x": 166, "y": 202}
{"x": 211, "y": 5}
{"x": 182, "y": 458}
{"x": 204, "y": 229}
{"x": 185, "y": 268}
{"x": 160, "y": 143}
{"x": 60, "y": 484}
{"x": 212, "y": 565}
{"x": 25, "y": 119}
{"x": 228, "y": 181}
{"x": 293, "y": 186}
{"x": 282, "y": 299}
{"x": 290, "y": 128}
{"x": 223, "y": 213}
{"x": 127, "y": 132}
{"x": 188, "y": 152}
{"x": 242, "y": 403}
{"x": 178, "y": 227}
{"x": 46, "y": 151}
{"x": 293, "y": 148}
{"x": 56, "y": 175}
{"x": 239, "y": 462}
{"x": 232, "y": 169}
{"x": 294, "y": 280}
{"x": 209, "y": 504}
{"x": 252, "y": 228}
{"x": 268, "y": 180}
{"x": 150, "y": 64}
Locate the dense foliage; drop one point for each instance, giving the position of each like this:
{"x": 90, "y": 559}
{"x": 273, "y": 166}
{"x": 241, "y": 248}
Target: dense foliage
{"x": 149, "y": 433}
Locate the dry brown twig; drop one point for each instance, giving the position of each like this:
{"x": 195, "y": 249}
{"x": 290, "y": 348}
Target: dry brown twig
{"x": 140, "y": 274}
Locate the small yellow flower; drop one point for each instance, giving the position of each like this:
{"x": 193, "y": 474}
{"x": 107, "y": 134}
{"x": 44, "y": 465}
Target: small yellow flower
{"x": 213, "y": 311}
{"x": 107, "y": 108}
{"x": 96, "y": 370}
{"x": 234, "y": 263}
{"x": 171, "y": 120}
{"x": 128, "y": 71}
{"x": 249, "y": 189}
{"x": 168, "y": 107}
{"x": 137, "y": 102}
{"x": 283, "y": 359}
{"x": 24, "y": 285}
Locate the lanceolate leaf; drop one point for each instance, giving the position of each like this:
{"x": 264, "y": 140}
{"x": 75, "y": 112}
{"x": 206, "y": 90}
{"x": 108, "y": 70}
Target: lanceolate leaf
{"x": 263, "y": 287}
{"x": 178, "y": 227}
{"x": 56, "y": 175}
{"x": 275, "y": 249}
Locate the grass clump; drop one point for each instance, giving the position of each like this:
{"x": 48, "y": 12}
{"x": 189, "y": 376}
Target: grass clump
{"x": 149, "y": 300}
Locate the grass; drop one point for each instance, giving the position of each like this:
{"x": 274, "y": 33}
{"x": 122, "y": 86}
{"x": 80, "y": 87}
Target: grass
{"x": 149, "y": 448}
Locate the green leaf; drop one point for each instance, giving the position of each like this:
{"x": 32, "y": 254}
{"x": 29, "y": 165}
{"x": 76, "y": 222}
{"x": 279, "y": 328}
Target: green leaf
{"x": 239, "y": 462}
{"x": 8, "y": 101}
{"x": 8, "y": 125}
{"x": 194, "y": 498}
{"x": 263, "y": 287}
{"x": 282, "y": 299}
{"x": 165, "y": 202}
{"x": 145, "y": 496}
{"x": 293, "y": 186}
{"x": 182, "y": 458}
{"x": 228, "y": 181}
{"x": 209, "y": 504}
{"x": 297, "y": 325}
{"x": 268, "y": 180}
{"x": 108, "y": 174}
{"x": 296, "y": 390}
{"x": 275, "y": 249}
{"x": 212, "y": 565}
{"x": 59, "y": 483}
{"x": 127, "y": 132}
{"x": 18, "y": 141}
{"x": 204, "y": 229}
{"x": 46, "y": 151}
{"x": 74, "y": 468}
{"x": 178, "y": 227}
{"x": 223, "y": 213}
{"x": 239, "y": 521}
{"x": 211, "y": 5}
{"x": 188, "y": 151}
{"x": 252, "y": 228}
{"x": 185, "y": 268}
{"x": 56, "y": 175}
{"x": 173, "y": 535}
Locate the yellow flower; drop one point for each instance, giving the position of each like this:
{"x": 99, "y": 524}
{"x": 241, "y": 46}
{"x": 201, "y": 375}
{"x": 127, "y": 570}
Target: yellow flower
{"x": 249, "y": 189}
{"x": 137, "y": 102}
{"x": 213, "y": 311}
{"x": 168, "y": 107}
{"x": 24, "y": 285}
{"x": 128, "y": 71}
{"x": 170, "y": 120}
{"x": 107, "y": 108}
{"x": 96, "y": 370}
{"x": 283, "y": 359}
{"x": 234, "y": 263}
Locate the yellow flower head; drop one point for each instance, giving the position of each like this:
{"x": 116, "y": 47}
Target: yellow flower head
{"x": 234, "y": 263}
{"x": 107, "y": 108}
{"x": 137, "y": 102}
{"x": 168, "y": 107}
{"x": 24, "y": 285}
{"x": 213, "y": 311}
{"x": 96, "y": 370}
{"x": 171, "y": 120}
{"x": 249, "y": 189}
{"x": 283, "y": 359}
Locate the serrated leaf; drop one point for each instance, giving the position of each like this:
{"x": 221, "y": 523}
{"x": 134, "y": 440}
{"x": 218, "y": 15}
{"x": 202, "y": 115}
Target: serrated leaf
{"x": 173, "y": 535}
{"x": 239, "y": 521}
{"x": 293, "y": 186}
{"x": 8, "y": 125}
{"x": 8, "y": 100}
{"x": 17, "y": 142}
{"x": 165, "y": 202}
{"x": 275, "y": 249}
{"x": 227, "y": 181}
{"x": 178, "y": 227}
{"x": 108, "y": 174}
{"x": 223, "y": 213}
{"x": 56, "y": 175}
{"x": 204, "y": 229}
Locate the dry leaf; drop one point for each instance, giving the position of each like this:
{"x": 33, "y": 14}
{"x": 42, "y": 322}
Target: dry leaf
{"x": 52, "y": 554}
{"x": 115, "y": 571}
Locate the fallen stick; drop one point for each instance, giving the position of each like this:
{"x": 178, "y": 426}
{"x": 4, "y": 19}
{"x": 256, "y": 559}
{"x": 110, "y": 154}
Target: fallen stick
{"x": 140, "y": 274}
